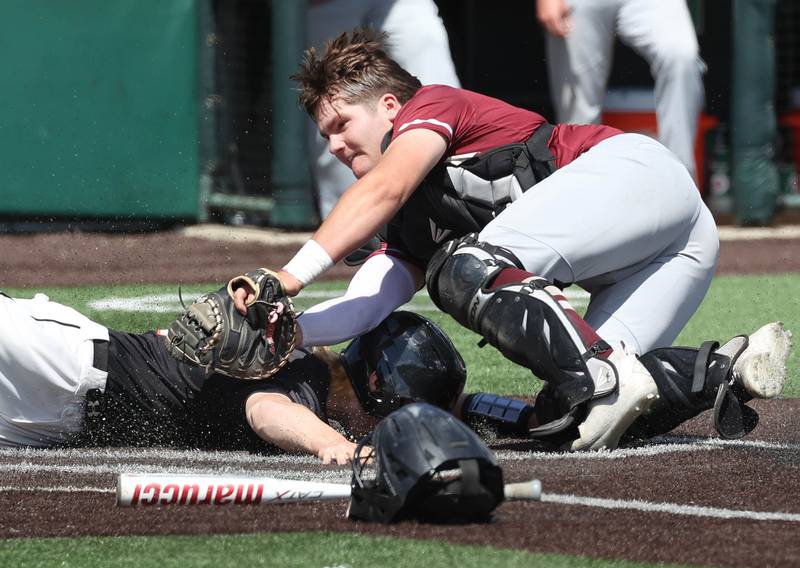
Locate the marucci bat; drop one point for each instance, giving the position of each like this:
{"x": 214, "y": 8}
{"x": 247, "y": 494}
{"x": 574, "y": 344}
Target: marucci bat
{"x": 135, "y": 489}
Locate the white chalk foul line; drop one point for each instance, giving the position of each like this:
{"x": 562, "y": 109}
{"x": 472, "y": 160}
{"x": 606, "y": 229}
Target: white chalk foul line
{"x": 221, "y": 464}
{"x": 657, "y": 446}
{"x": 719, "y": 442}
{"x": 646, "y": 451}
{"x": 330, "y": 475}
{"x": 168, "y": 303}
{"x": 561, "y": 499}
{"x": 58, "y": 489}
{"x": 186, "y": 456}
{"x": 661, "y": 445}
{"x": 669, "y": 508}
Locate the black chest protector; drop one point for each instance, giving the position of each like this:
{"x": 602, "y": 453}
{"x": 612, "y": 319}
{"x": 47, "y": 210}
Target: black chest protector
{"x": 461, "y": 195}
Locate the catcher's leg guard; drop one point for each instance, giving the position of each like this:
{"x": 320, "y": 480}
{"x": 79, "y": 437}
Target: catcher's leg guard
{"x": 525, "y": 317}
{"x": 691, "y": 381}
{"x": 495, "y": 415}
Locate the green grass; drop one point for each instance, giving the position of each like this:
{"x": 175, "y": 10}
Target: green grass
{"x": 734, "y": 305}
{"x": 275, "y": 550}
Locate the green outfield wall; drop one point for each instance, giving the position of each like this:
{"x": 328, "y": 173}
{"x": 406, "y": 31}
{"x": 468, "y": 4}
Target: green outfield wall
{"x": 99, "y": 113}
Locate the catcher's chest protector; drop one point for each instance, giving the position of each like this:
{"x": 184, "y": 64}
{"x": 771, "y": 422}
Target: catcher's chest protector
{"x": 427, "y": 465}
{"x": 463, "y": 194}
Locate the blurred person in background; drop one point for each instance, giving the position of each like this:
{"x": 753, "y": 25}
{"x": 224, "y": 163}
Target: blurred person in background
{"x": 580, "y": 44}
{"x": 417, "y": 40}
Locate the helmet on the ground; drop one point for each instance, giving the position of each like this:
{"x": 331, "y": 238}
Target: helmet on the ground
{"x": 423, "y": 463}
{"x": 407, "y": 358}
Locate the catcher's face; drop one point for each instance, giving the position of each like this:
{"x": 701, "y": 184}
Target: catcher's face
{"x": 355, "y": 131}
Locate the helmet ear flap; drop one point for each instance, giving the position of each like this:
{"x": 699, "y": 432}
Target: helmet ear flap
{"x": 458, "y": 495}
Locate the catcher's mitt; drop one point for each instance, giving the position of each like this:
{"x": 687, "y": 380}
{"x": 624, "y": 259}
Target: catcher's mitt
{"x": 212, "y": 334}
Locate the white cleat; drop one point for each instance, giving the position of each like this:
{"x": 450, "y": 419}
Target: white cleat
{"x": 761, "y": 368}
{"x": 610, "y": 416}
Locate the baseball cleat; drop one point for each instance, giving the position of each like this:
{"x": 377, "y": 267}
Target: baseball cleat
{"x": 608, "y": 417}
{"x": 761, "y": 368}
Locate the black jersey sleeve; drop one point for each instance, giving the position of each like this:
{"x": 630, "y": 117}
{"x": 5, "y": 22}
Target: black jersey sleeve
{"x": 304, "y": 380}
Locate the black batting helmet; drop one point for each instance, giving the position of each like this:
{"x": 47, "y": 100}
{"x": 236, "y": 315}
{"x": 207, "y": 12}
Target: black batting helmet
{"x": 425, "y": 464}
{"x": 407, "y": 358}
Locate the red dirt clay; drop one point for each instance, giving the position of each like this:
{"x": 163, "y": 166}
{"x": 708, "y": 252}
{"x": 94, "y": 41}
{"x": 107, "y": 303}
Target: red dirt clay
{"x": 76, "y": 259}
{"x": 691, "y": 471}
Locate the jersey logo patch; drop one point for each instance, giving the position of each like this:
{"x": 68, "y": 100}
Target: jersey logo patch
{"x": 437, "y": 234}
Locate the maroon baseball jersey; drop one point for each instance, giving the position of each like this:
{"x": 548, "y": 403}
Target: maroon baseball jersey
{"x": 451, "y": 203}
{"x": 471, "y": 122}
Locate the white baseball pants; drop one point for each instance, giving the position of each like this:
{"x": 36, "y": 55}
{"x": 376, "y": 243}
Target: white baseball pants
{"x": 626, "y": 222}
{"x": 661, "y": 31}
{"x": 46, "y": 355}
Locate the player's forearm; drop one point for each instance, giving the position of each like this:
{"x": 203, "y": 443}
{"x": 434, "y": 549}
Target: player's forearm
{"x": 366, "y": 207}
{"x": 360, "y": 213}
{"x": 382, "y": 284}
{"x": 291, "y": 427}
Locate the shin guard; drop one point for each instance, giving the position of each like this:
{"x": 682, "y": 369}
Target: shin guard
{"x": 691, "y": 381}
{"x": 528, "y": 320}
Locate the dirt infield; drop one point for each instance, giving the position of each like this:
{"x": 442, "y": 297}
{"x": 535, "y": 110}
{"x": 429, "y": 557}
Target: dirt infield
{"x": 688, "y": 498}
{"x": 74, "y": 259}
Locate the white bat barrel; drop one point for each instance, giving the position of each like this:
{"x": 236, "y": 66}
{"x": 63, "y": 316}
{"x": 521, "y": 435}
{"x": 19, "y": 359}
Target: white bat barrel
{"x": 525, "y": 490}
{"x": 180, "y": 489}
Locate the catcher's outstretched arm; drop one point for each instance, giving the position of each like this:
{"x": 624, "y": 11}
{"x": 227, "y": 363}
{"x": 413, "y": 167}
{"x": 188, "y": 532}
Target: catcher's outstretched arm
{"x": 382, "y": 284}
{"x": 372, "y": 201}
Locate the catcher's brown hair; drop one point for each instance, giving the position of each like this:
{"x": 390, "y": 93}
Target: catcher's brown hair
{"x": 354, "y": 68}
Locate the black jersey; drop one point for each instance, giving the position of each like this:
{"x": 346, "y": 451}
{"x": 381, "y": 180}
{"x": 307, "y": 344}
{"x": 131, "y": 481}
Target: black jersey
{"x": 153, "y": 399}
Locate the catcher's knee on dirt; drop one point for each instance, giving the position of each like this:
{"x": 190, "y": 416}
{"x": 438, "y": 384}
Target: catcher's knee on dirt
{"x": 691, "y": 381}
{"x": 523, "y": 320}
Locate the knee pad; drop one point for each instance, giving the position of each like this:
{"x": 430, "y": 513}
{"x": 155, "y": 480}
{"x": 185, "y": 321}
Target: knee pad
{"x": 491, "y": 414}
{"x": 499, "y": 415}
{"x": 460, "y": 269}
{"x": 524, "y": 320}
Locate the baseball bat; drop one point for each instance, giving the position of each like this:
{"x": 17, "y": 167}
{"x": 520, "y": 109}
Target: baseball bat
{"x": 182, "y": 489}
{"x": 523, "y": 491}
{"x": 172, "y": 489}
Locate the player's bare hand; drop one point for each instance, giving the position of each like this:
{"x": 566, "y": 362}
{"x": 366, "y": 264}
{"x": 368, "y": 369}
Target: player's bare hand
{"x": 340, "y": 453}
{"x": 291, "y": 285}
{"x": 554, "y": 15}
{"x": 243, "y": 296}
